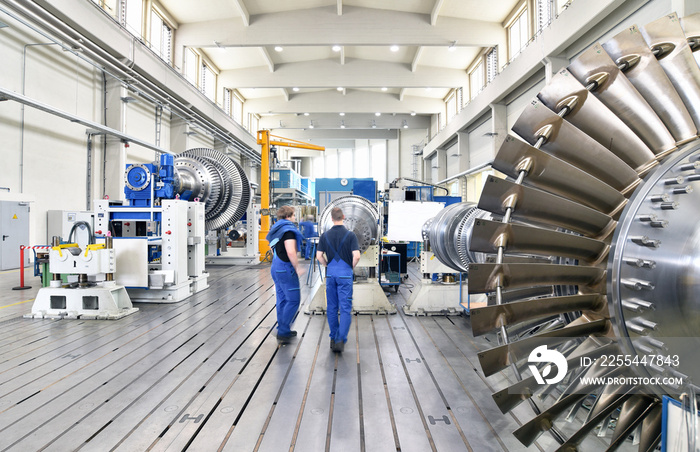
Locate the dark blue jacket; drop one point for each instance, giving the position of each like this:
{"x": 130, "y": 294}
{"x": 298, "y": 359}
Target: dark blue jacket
{"x": 278, "y": 229}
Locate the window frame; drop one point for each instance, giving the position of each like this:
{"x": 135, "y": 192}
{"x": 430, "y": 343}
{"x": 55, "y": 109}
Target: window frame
{"x": 520, "y": 16}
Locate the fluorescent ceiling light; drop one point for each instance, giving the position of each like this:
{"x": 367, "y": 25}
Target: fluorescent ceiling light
{"x": 306, "y": 114}
{"x": 311, "y": 124}
{"x": 394, "y": 48}
{"x": 336, "y": 48}
{"x": 341, "y": 114}
{"x": 452, "y": 47}
{"x": 342, "y": 124}
{"x": 278, "y": 48}
{"x": 413, "y": 113}
{"x": 384, "y": 88}
{"x": 340, "y": 88}
{"x": 405, "y": 124}
{"x": 377, "y": 114}
{"x": 295, "y": 89}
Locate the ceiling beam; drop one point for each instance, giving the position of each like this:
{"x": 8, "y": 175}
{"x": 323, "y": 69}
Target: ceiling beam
{"x": 342, "y": 55}
{"x": 325, "y": 121}
{"x": 336, "y": 134}
{"x": 268, "y": 59}
{"x": 436, "y": 12}
{"x": 416, "y": 58}
{"x": 402, "y": 93}
{"x": 353, "y": 74}
{"x": 357, "y": 26}
{"x": 340, "y": 7}
{"x": 355, "y": 101}
{"x": 285, "y": 92}
{"x": 243, "y": 11}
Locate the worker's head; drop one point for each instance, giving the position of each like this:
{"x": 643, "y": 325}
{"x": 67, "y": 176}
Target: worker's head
{"x": 285, "y": 213}
{"x": 310, "y": 218}
{"x": 337, "y": 215}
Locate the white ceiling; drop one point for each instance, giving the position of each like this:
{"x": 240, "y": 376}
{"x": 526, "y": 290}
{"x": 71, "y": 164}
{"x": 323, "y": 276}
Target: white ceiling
{"x": 240, "y": 36}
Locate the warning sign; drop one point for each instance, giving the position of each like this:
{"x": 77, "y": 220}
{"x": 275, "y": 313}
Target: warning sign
{"x": 14, "y": 217}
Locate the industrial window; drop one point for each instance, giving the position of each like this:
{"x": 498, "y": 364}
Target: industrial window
{"x": 237, "y": 107}
{"x": 227, "y": 101}
{"x": 319, "y": 170}
{"x": 132, "y": 16}
{"x": 518, "y": 35}
{"x": 253, "y": 123}
{"x": 378, "y": 155}
{"x": 451, "y": 105}
{"x": 190, "y": 65}
{"x": 362, "y": 162}
{"x": 331, "y": 169}
{"x": 161, "y": 36}
{"x": 476, "y": 79}
{"x": 543, "y": 16}
{"x": 345, "y": 163}
{"x": 491, "y": 64}
{"x": 207, "y": 81}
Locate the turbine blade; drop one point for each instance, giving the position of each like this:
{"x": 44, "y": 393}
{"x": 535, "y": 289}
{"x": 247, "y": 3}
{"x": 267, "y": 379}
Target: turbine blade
{"x": 488, "y": 235}
{"x": 568, "y": 143}
{"x": 537, "y": 206}
{"x": 557, "y": 176}
{"x": 486, "y": 277}
{"x": 498, "y": 358}
{"x": 594, "y": 66}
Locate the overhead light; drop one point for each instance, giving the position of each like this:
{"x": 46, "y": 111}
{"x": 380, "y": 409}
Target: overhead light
{"x": 374, "y": 124}
{"x": 427, "y": 88}
{"x": 341, "y": 114}
{"x": 384, "y": 88}
{"x": 452, "y": 47}
{"x": 377, "y": 114}
{"x": 311, "y": 124}
{"x": 129, "y": 99}
{"x": 278, "y": 48}
{"x": 405, "y": 124}
{"x": 295, "y": 89}
{"x": 342, "y": 124}
{"x": 306, "y": 114}
{"x": 413, "y": 113}
{"x": 340, "y": 88}
{"x": 336, "y": 48}
{"x": 281, "y": 125}
{"x": 394, "y": 48}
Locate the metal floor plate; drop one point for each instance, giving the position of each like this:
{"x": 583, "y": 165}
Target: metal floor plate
{"x": 207, "y": 374}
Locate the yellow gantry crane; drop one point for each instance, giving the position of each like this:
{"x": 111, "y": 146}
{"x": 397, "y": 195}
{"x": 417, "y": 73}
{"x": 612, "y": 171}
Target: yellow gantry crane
{"x": 265, "y": 139}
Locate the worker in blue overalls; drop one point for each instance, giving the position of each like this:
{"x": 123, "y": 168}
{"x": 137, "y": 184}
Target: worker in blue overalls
{"x": 285, "y": 239}
{"x": 309, "y": 229}
{"x": 342, "y": 254}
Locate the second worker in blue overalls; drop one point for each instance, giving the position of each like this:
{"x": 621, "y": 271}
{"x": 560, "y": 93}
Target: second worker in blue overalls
{"x": 342, "y": 254}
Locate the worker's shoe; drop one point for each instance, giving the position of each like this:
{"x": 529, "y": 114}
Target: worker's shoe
{"x": 332, "y": 344}
{"x": 287, "y": 338}
{"x": 338, "y": 347}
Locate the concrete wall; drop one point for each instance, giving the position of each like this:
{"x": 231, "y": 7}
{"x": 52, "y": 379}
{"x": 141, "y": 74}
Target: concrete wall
{"x": 45, "y": 158}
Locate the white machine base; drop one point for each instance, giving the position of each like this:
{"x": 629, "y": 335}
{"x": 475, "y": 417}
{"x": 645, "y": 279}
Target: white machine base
{"x": 367, "y": 298}
{"x": 234, "y": 256}
{"x": 440, "y": 299}
{"x": 106, "y": 301}
{"x": 172, "y": 293}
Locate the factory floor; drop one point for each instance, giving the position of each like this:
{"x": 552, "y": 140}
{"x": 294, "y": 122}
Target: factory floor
{"x": 207, "y": 374}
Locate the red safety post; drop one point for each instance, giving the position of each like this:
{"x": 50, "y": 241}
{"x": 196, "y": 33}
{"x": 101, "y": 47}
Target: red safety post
{"x": 21, "y": 271}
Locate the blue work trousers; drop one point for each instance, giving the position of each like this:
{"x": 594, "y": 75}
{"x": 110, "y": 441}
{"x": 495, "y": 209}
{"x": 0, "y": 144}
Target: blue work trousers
{"x": 308, "y": 248}
{"x": 288, "y": 295}
{"x": 339, "y": 299}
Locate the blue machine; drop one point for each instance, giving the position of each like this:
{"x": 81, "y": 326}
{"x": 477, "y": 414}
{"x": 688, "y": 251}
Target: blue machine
{"x": 139, "y": 177}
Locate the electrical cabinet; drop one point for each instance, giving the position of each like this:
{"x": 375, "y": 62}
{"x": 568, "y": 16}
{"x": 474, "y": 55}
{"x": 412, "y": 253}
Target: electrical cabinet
{"x": 14, "y": 228}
